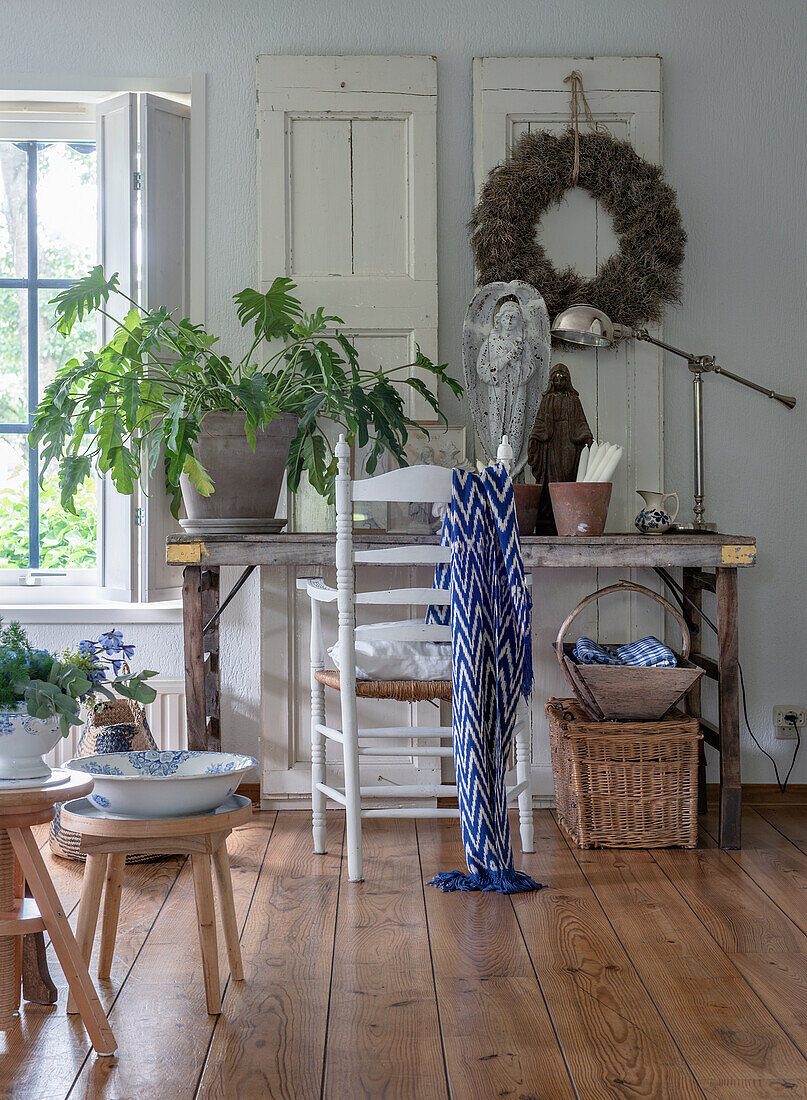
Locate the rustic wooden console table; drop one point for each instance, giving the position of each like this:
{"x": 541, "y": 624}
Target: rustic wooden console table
{"x": 709, "y": 563}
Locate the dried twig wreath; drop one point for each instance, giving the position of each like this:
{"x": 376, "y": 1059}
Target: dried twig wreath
{"x": 633, "y": 284}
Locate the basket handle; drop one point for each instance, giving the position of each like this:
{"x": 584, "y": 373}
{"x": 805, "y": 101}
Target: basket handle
{"x": 622, "y": 586}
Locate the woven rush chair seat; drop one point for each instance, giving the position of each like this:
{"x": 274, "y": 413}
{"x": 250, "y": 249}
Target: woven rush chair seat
{"x": 404, "y": 691}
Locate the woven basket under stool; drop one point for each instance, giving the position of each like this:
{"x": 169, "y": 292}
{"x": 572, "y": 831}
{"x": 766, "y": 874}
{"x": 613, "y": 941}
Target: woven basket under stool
{"x": 116, "y": 726}
{"x": 624, "y": 784}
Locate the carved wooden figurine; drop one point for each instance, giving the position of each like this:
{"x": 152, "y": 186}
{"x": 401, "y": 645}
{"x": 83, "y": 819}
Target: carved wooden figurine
{"x": 559, "y": 434}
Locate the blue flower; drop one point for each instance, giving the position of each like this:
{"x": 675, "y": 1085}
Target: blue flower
{"x": 86, "y": 647}
{"x": 111, "y": 641}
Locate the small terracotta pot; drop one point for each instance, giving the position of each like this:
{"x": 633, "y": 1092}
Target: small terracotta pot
{"x": 527, "y": 500}
{"x": 580, "y": 507}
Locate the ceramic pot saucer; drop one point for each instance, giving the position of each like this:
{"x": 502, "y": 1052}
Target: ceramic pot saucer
{"x": 57, "y": 776}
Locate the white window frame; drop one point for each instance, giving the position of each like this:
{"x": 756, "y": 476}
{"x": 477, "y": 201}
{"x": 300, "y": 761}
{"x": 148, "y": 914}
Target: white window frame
{"x": 62, "y": 127}
{"x": 69, "y": 597}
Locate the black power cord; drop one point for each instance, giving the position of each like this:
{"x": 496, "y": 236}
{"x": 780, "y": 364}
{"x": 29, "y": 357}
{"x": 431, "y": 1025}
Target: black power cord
{"x": 685, "y": 603}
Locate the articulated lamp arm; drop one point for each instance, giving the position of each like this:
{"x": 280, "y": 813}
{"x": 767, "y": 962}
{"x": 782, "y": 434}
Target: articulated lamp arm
{"x": 705, "y": 364}
{"x": 585, "y": 325}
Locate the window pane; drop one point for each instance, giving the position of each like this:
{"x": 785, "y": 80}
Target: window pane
{"x": 65, "y": 541}
{"x": 13, "y": 212}
{"x": 13, "y": 356}
{"x": 13, "y": 502}
{"x": 55, "y": 349}
{"x": 65, "y": 202}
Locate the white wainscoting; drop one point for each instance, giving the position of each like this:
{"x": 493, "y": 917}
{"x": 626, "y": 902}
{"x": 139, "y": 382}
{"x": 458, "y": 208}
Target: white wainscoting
{"x": 166, "y": 719}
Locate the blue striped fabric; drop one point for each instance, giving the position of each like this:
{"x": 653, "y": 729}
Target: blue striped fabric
{"x": 648, "y": 652}
{"x": 589, "y": 652}
{"x": 491, "y": 669}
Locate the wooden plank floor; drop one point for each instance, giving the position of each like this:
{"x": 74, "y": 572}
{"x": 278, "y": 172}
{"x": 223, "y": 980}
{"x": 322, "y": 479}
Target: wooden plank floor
{"x": 662, "y": 975}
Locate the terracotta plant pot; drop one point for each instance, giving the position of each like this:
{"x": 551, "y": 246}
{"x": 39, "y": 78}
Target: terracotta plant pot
{"x": 580, "y": 507}
{"x": 247, "y": 483}
{"x": 527, "y": 500}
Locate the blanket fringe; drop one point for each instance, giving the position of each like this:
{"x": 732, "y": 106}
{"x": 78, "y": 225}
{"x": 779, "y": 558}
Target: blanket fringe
{"x": 502, "y": 882}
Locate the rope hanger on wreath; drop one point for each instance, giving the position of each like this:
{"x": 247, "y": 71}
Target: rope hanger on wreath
{"x": 578, "y": 99}
{"x": 640, "y": 278}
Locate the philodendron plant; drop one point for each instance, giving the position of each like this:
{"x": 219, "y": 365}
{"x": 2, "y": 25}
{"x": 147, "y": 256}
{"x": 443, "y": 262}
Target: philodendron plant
{"x": 145, "y": 394}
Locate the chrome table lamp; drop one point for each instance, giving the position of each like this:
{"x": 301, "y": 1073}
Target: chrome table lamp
{"x": 585, "y": 325}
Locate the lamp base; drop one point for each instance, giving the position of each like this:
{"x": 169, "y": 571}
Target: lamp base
{"x": 691, "y": 529}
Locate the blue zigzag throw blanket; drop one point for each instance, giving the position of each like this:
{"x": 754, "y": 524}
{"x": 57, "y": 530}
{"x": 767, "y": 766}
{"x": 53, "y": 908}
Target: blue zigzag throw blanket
{"x": 492, "y": 669}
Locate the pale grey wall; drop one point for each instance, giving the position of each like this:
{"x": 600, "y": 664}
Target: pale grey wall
{"x": 735, "y": 98}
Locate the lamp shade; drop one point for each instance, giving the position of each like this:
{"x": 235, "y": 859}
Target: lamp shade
{"x": 584, "y": 324}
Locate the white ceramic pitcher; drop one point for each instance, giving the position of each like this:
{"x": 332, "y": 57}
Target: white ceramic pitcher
{"x": 654, "y": 519}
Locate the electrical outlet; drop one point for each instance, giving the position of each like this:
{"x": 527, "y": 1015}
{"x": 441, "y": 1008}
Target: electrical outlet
{"x": 784, "y": 728}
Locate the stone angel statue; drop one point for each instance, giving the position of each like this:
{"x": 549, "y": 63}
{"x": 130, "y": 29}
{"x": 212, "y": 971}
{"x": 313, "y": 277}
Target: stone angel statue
{"x": 505, "y": 352}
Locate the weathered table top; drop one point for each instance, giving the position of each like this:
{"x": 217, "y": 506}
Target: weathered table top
{"x": 708, "y": 550}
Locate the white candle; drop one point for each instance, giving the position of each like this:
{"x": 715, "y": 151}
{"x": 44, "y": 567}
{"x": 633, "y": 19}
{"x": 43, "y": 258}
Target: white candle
{"x": 593, "y": 472}
{"x": 611, "y": 465}
{"x": 605, "y": 462}
{"x": 607, "y": 452}
{"x": 581, "y": 468}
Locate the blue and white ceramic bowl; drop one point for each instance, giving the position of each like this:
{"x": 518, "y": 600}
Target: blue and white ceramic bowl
{"x": 162, "y": 783}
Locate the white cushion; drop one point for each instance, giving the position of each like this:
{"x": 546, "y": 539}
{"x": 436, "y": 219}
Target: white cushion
{"x": 391, "y": 659}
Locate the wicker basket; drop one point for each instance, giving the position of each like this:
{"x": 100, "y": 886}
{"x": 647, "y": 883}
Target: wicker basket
{"x": 119, "y": 725}
{"x": 624, "y": 784}
{"x": 627, "y": 691}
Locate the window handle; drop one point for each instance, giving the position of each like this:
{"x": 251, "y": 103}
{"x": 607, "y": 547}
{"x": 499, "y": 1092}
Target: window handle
{"x": 34, "y": 576}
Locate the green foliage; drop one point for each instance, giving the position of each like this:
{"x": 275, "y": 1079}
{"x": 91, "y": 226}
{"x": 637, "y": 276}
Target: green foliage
{"x": 65, "y": 542}
{"x": 46, "y": 686}
{"x": 145, "y": 394}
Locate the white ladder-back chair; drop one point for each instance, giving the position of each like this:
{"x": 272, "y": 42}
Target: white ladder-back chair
{"x": 421, "y": 483}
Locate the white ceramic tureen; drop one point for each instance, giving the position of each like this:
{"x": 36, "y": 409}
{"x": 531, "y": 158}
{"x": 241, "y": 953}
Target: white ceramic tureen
{"x": 162, "y": 783}
{"x": 23, "y": 742}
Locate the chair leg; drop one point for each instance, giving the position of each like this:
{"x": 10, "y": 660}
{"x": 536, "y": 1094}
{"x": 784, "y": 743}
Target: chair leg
{"x": 523, "y": 734}
{"x": 317, "y": 739}
{"x": 109, "y": 922}
{"x": 206, "y": 920}
{"x": 229, "y": 923}
{"x": 92, "y": 886}
{"x": 350, "y": 757}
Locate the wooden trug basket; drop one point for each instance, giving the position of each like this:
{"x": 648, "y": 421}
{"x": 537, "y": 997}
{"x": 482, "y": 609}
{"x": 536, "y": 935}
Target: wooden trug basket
{"x": 627, "y": 691}
{"x": 626, "y": 784}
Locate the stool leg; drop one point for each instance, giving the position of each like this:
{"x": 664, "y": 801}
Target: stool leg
{"x": 221, "y": 865}
{"x": 19, "y": 893}
{"x": 9, "y": 988}
{"x": 109, "y": 922}
{"x": 206, "y": 920}
{"x": 64, "y": 943}
{"x": 91, "y": 886}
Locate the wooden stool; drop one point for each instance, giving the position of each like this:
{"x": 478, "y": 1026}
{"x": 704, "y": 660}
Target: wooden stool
{"x": 20, "y": 808}
{"x": 106, "y": 842}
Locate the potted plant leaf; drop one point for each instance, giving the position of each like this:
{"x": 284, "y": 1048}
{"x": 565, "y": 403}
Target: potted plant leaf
{"x": 41, "y": 697}
{"x": 159, "y": 390}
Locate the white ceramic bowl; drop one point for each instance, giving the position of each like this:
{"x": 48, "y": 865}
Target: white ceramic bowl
{"x": 23, "y": 742}
{"x": 162, "y": 783}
